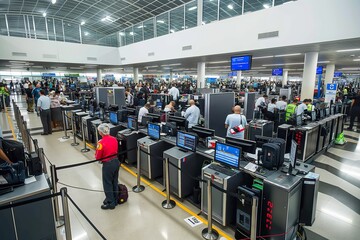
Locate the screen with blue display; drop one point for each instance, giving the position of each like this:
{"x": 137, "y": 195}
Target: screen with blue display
{"x": 337, "y": 74}
{"x": 319, "y": 70}
{"x": 113, "y": 117}
{"x": 72, "y": 86}
{"x": 186, "y": 141}
{"x": 132, "y": 123}
{"x": 153, "y": 131}
{"x": 241, "y": 63}
{"x": 227, "y": 155}
{"x": 277, "y": 72}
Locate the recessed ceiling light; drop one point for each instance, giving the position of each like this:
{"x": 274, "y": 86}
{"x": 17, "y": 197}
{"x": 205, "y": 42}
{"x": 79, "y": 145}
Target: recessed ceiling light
{"x": 107, "y": 18}
{"x": 131, "y": 33}
{"x": 262, "y": 57}
{"x": 122, "y": 34}
{"x": 192, "y": 8}
{"x": 141, "y": 26}
{"x": 173, "y": 64}
{"x": 288, "y": 55}
{"x": 155, "y": 66}
{"x": 82, "y": 23}
{"x": 323, "y": 61}
{"x": 357, "y": 60}
{"x": 86, "y": 33}
{"x": 349, "y": 50}
{"x": 44, "y": 14}
{"x": 53, "y": 1}
{"x": 160, "y": 21}
{"x": 266, "y": 6}
{"x": 230, "y": 6}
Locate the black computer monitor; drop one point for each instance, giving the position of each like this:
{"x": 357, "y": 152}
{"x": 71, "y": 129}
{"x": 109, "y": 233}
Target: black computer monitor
{"x": 132, "y": 123}
{"x": 113, "y": 117}
{"x": 292, "y": 158}
{"x": 179, "y": 121}
{"x": 186, "y": 141}
{"x": 155, "y": 118}
{"x": 227, "y": 155}
{"x": 91, "y": 111}
{"x": 247, "y": 146}
{"x": 153, "y": 131}
{"x": 102, "y": 114}
{"x": 130, "y": 111}
{"x": 327, "y": 112}
{"x": 203, "y": 133}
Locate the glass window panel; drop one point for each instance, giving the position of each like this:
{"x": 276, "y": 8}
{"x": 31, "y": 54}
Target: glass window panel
{"x": 149, "y": 29}
{"x": 50, "y": 24}
{"x": 122, "y": 38}
{"x": 3, "y": 30}
{"x": 31, "y": 23}
{"x": 71, "y": 32}
{"x": 40, "y": 28}
{"x": 279, "y": 2}
{"x": 16, "y": 25}
{"x": 59, "y": 30}
{"x": 89, "y": 36}
{"x": 129, "y": 35}
{"x": 230, "y": 8}
{"x": 110, "y": 41}
{"x": 210, "y": 11}
{"x": 138, "y": 32}
{"x": 177, "y": 19}
{"x": 191, "y": 15}
{"x": 252, "y": 6}
{"x": 162, "y": 24}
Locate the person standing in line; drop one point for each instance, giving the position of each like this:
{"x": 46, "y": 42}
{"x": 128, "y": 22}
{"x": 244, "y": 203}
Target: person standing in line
{"x": 235, "y": 124}
{"x": 29, "y": 98}
{"x": 192, "y": 114}
{"x": 281, "y": 105}
{"x": 143, "y": 111}
{"x": 106, "y": 152}
{"x": 43, "y": 106}
{"x": 355, "y": 111}
{"x": 36, "y": 94}
{"x": 174, "y": 92}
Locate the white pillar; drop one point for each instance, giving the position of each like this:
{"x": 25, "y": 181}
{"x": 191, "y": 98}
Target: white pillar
{"x": 285, "y": 78}
{"x": 201, "y": 74}
{"x": 199, "y": 12}
{"x": 238, "y": 78}
{"x": 329, "y": 75}
{"x": 98, "y": 75}
{"x": 136, "y": 75}
{"x": 309, "y": 75}
{"x": 171, "y": 75}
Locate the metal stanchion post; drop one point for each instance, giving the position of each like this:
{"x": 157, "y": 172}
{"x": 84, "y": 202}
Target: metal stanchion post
{"x": 64, "y": 125}
{"x": 59, "y": 219}
{"x": 74, "y": 143}
{"x": 209, "y": 233}
{"x": 254, "y": 213}
{"x": 138, "y": 188}
{"x": 64, "y": 200}
{"x": 167, "y": 204}
{"x": 85, "y": 149}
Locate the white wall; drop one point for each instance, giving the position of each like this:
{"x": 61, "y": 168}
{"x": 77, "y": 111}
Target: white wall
{"x": 61, "y": 51}
{"x": 298, "y": 23}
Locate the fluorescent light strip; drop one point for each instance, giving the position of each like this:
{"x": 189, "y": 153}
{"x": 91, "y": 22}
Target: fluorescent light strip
{"x": 173, "y": 64}
{"x": 218, "y": 62}
{"x": 323, "y": 61}
{"x": 357, "y": 60}
{"x": 281, "y": 64}
{"x": 350, "y": 68}
{"x": 288, "y": 55}
{"x": 154, "y": 66}
{"x": 349, "y": 50}
{"x": 192, "y": 8}
{"x": 258, "y": 68}
{"x": 262, "y": 57}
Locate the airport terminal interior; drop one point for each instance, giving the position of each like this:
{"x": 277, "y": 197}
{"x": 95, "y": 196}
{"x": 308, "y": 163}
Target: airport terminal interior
{"x": 224, "y": 119}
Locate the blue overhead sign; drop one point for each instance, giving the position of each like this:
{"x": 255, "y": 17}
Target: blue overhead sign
{"x": 48, "y": 74}
{"x": 337, "y": 74}
{"x": 330, "y": 86}
{"x": 241, "y": 63}
{"x": 319, "y": 70}
{"x": 277, "y": 72}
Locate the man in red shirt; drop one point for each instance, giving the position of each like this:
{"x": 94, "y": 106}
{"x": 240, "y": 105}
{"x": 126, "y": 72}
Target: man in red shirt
{"x": 106, "y": 152}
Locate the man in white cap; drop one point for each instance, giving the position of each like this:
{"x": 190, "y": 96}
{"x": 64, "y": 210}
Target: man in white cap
{"x": 106, "y": 152}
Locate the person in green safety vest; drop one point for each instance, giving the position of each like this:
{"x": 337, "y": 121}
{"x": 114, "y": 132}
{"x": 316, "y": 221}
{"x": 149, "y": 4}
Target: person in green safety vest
{"x": 290, "y": 109}
{"x": 345, "y": 91}
{"x": 310, "y": 107}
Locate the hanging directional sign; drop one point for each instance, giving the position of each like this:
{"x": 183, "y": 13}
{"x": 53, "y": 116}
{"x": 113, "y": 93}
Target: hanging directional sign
{"x": 330, "y": 93}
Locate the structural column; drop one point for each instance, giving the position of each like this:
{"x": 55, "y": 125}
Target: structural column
{"x": 201, "y": 74}
{"x": 329, "y": 74}
{"x": 285, "y": 77}
{"x": 136, "y": 75}
{"x": 171, "y": 76}
{"x": 199, "y": 12}
{"x": 309, "y": 75}
{"x": 99, "y": 78}
{"x": 238, "y": 78}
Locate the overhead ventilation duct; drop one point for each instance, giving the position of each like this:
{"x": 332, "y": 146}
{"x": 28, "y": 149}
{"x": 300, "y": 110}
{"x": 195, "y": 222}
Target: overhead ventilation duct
{"x": 268, "y": 35}
{"x": 19, "y": 54}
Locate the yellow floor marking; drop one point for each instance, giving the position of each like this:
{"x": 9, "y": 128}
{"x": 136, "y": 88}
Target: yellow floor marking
{"x": 10, "y": 124}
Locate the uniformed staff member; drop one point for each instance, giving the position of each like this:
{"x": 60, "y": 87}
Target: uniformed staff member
{"x": 192, "y": 114}
{"x": 310, "y": 106}
{"x": 106, "y": 150}
{"x": 302, "y": 108}
{"x": 43, "y": 105}
{"x": 290, "y": 109}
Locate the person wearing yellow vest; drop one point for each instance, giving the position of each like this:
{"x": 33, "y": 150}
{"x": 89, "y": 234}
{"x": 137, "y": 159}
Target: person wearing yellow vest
{"x": 310, "y": 107}
{"x": 290, "y": 109}
{"x": 345, "y": 91}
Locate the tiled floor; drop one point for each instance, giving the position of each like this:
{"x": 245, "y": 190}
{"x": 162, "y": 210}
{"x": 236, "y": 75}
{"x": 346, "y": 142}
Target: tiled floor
{"x": 142, "y": 217}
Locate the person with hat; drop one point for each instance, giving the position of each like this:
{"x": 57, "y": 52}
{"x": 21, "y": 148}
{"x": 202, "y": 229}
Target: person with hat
{"x": 106, "y": 152}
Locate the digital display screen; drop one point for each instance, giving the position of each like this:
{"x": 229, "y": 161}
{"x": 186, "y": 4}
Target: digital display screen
{"x": 337, "y": 74}
{"x": 319, "y": 70}
{"x": 227, "y": 155}
{"x": 91, "y": 110}
{"x": 153, "y": 131}
{"x": 186, "y": 141}
{"x": 113, "y": 117}
{"x": 72, "y": 86}
{"x": 241, "y": 63}
{"x": 132, "y": 123}
{"x": 277, "y": 72}
{"x": 292, "y": 156}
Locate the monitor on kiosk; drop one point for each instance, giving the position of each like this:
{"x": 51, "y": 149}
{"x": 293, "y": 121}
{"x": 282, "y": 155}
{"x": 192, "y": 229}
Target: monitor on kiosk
{"x": 113, "y": 118}
{"x": 277, "y": 72}
{"x": 227, "y": 155}
{"x": 153, "y": 131}
{"x": 91, "y": 111}
{"x": 292, "y": 158}
{"x": 203, "y": 133}
{"x": 155, "y": 118}
{"x": 132, "y": 123}
{"x": 186, "y": 141}
{"x": 247, "y": 146}
{"x": 180, "y": 122}
{"x": 241, "y": 63}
